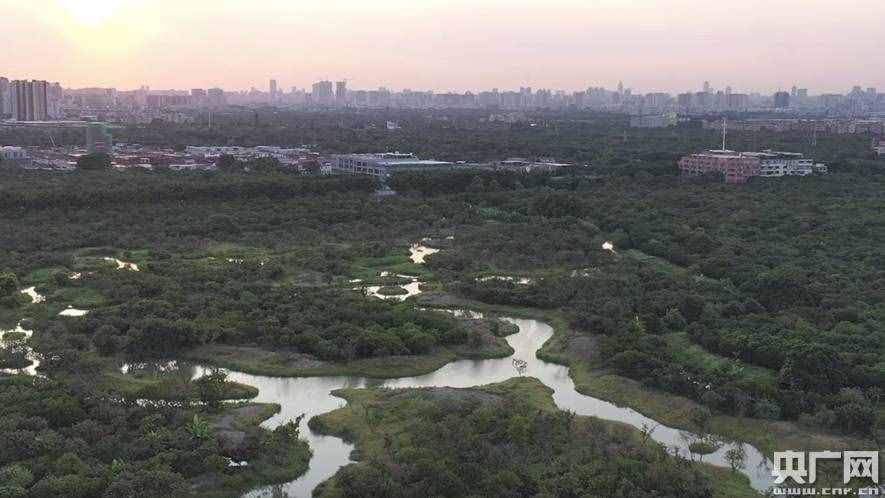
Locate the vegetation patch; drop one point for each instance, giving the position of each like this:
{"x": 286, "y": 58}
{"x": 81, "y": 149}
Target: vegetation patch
{"x": 470, "y": 430}
{"x": 392, "y": 291}
{"x": 124, "y": 449}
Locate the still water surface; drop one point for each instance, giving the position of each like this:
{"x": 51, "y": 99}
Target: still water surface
{"x": 312, "y": 396}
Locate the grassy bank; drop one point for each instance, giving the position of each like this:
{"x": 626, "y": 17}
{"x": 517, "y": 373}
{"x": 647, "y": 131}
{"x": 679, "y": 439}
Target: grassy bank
{"x": 592, "y": 379}
{"x": 258, "y": 361}
{"x": 171, "y": 389}
{"x": 284, "y": 457}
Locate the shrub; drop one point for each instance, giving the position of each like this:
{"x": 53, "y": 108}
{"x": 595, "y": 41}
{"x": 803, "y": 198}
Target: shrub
{"x": 767, "y": 409}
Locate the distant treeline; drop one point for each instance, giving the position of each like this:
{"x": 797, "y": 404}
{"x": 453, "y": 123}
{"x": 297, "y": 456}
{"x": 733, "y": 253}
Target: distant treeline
{"x": 604, "y": 140}
{"x": 39, "y": 190}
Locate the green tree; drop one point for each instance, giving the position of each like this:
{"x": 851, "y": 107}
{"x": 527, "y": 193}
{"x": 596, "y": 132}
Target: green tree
{"x": 61, "y": 278}
{"x": 228, "y": 163}
{"x": 199, "y": 428}
{"x": 94, "y": 162}
{"x": 148, "y": 484}
{"x": 17, "y": 476}
{"x": 8, "y": 284}
{"x": 814, "y": 367}
{"x": 212, "y": 387}
{"x": 765, "y": 408}
{"x": 736, "y": 457}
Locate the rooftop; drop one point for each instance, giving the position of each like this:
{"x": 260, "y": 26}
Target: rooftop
{"x": 396, "y": 159}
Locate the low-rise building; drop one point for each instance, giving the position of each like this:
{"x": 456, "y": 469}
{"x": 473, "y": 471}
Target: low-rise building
{"x": 99, "y": 139}
{"x": 216, "y": 151}
{"x": 776, "y": 164}
{"x": 193, "y": 167}
{"x": 384, "y": 164}
{"x": 735, "y": 167}
{"x": 739, "y": 167}
{"x": 655, "y": 121}
{"x": 824, "y": 126}
{"x": 14, "y": 156}
{"x": 530, "y": 165}
{"x": 880, "y": 149}
{"x": 287, "y": 157}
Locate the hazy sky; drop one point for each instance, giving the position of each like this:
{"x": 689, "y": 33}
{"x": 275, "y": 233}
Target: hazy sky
{"x": 669, "y": 45}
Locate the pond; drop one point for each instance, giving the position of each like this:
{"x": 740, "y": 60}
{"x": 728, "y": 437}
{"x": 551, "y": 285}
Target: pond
{"x": 420, "y": 252}
{"x": 411, "y": 289}
{"x": 312, "y": 396}
{"x": 502, "y": 278}
{"x": 123, "y": 265}
{"x": 36, "y": 297}
{"x": 74, "y": 312}
{"x": 29, "y": 353}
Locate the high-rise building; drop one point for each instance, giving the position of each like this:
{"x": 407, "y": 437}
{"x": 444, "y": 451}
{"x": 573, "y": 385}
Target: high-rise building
{"x": 216, "y": 97}
{"x": 341, "y": 93}
{"x": 273, "y": 90}
{"x": 198, "y": 96}
{"x": 781, "y": 100}
{"x": 4, "y": 96}
{"x": 702, "y": 100}
{"x": 29, "y": 100}
{"x": 322, "y": 93}
{"x": 707, "y": 87}
{"x": 165, "y": 100}
{"x": 98, "y": 139}
{"x": 55, "y": 95}
{"x": 684, "y": 101}
{"x": 738, "y": 101}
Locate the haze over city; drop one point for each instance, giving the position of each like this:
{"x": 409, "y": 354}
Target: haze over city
{"x": 442, "y": 45}
{"x": 442, "y": 248}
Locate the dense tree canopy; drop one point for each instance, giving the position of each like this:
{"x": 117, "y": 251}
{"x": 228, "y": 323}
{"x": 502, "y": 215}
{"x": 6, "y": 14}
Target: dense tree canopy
{"x": 765, "y": 300}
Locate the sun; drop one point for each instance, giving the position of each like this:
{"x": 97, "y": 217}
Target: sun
{"x": 90, "y": 13}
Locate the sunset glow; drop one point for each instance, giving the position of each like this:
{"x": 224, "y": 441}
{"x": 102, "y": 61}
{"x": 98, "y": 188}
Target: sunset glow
{"x": 453, "y": 45}
{"x": 91, "y": 12}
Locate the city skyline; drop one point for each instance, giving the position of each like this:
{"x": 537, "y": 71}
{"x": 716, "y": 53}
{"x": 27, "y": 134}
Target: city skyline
{"x": 447, "y": 45}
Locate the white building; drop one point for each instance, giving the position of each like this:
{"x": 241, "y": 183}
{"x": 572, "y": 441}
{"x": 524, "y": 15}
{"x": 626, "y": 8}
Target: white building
{"x": 14, "y": 156}
{"x": 384, "y": 164}
{"x": 192, "y": 167}
{"x": 213, "y": 152}
{"x": 28, "y": 100}
{"x": 529, "y": 165}
{"x": 286, "y": 156}
{"x": 777, "y": 164}
{"x": 880, "y": 149}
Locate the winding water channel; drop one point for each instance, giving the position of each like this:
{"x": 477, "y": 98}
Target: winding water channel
{"x": 312, "y": 396}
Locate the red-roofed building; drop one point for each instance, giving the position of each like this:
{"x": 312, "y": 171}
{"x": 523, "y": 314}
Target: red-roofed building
{"x": 736, "y": 167}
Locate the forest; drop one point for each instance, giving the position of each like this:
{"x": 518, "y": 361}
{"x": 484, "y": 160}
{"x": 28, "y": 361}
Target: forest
{"x": 59, "y": 439}
{"x": 764, "y": 302}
